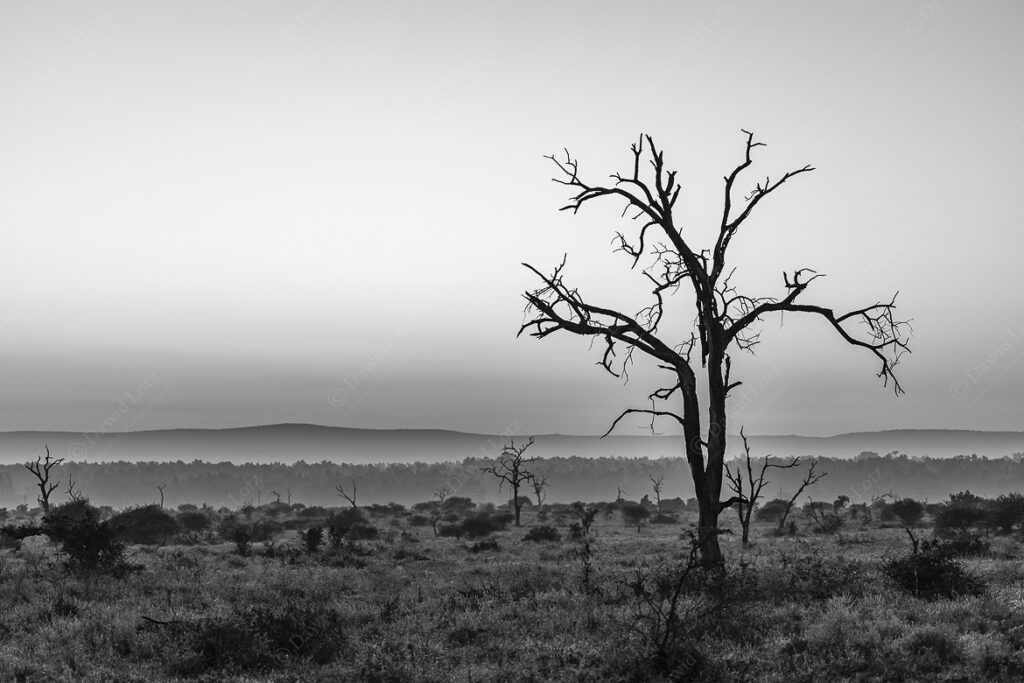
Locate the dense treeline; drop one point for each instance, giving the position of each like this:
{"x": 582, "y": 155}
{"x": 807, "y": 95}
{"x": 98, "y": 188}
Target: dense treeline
{"x": 232, "y": 485}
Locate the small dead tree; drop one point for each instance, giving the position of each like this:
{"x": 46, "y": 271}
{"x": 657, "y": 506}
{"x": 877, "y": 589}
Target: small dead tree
{"x": 810, "y": 479}
{"x": 161, "y": 487}
{"x": 748, "y": 495}
{"x": 344, "y": 494}
{"x": 442, "y": 493}
{"x": 276, "y": 495}
{"x": 40, "y": 469}
{"x": 74, "y": 493}
{"x": 620, "y": 494}
{"x": 539, "y": 483}
{"x": 656, "y": 484}
{"x": 510, "y": 467}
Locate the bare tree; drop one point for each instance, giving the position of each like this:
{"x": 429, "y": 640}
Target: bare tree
{"x": 656, "y": 484}
{"x": 289, "y": 492}
{"x": 40, "y": 469}
{"x": 510, "y": 467}
{"x": 620, "y": 494}
{"x": 749, "y": 495}
{"x": 539, "y": 484}
{"x": 74, "y": 493}
{"x": 725, "y": 319}
{"x": 442, "y": 492}
{"x": 350, "y": 498}
{"x": 810, "y": 479}
{"x": 161, "y": 488}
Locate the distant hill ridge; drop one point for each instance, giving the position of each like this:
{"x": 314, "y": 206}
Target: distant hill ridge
{"x": 291, "y": 442}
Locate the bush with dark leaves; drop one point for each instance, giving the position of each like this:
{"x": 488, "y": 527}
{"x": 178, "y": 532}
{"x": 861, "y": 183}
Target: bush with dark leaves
{"x": 148, "y": 525}
{"x": 931, "y": 574}
{"x": 542, "y": 533}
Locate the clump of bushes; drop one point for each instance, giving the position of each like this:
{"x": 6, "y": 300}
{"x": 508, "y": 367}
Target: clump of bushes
{"x": 261, "y": 638}
{"x": 148, "y": 525}
{"x": 89, "y": 543}
{"x": 542, "y": 533}
{"x": 312, "y": 539}
{"x": 930, "y": 572}
{"x": 482, "y": 525}
{"x": 481, "y": 546}
{"x": 192, "y": 520}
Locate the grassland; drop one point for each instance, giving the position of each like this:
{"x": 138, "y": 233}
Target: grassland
{"x": 410, "y": 606}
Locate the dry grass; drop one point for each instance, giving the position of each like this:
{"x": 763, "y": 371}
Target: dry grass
{"x": 809, "y": 608}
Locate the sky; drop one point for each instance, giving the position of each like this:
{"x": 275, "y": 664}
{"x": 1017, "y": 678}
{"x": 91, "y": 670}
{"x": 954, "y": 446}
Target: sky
{"x": 237, "y": 213}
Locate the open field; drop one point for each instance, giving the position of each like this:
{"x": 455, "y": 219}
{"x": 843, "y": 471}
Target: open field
{"x": 412, "y": 606}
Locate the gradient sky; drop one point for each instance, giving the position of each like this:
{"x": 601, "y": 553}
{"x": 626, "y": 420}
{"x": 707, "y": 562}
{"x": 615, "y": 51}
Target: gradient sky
{"x": 218, "y": 214}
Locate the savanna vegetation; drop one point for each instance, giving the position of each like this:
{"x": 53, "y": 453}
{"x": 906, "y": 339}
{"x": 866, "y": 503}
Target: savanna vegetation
{"x": 450, "y": 589}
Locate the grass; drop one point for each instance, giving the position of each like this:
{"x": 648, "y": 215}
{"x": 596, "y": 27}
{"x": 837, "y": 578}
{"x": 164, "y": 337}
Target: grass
{"x": 414, "y": 606}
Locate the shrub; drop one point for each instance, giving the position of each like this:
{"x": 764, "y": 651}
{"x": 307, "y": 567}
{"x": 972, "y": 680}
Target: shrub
{"x": 313, "y": 511}
{"x": 260, "y": 638}
{"x": 932, "y": 574}
{"x": 634, "y": 514}
{"x": 149, "y": 525}
{"x": 478, "y": 526}
{"x": 194, "y": 521}
{"x": 458, "y": 504}
{"x": 89, "y": 543}
{"x": 343, "y": 520}
{"x": 449, "y": 530}
{"x": 243, "y": 534}
{"x": 361, "y": 531}
{"x": 480, "y": 546}
{"x": 967, "y": 545}
{"x": 908, "y": 510}
{"x": 312, "y": 538}
{"x": 771, "y": 511}
{"x": 419, "y": 520}
{"x": 542, "y": 533}
{"x": 958, "y": 519}
{"x": 1005, "y": 512}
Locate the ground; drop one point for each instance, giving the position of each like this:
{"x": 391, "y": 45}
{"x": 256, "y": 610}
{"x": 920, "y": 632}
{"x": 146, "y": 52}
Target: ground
{"x": 412, "y": 606}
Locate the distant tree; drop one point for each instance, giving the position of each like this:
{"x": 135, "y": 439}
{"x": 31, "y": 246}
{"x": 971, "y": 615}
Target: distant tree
{"x": 1005, "y": 512}
{"x": 442, "y": 493}
{"x": 40, "y": 469}
{"x": 161, "y": 488}
{"x": 725, "y": 320}
{"x": 656, "y": 485}
{"x": 351, "y": 498}
{"x": 511, "y": 469}
{"x": 539, "y": 484}
{"x": 840, "y": 503}
{"x": 810, "y": 479}
{"x": 908, "y": 510}
{"x": 748, "y": 495}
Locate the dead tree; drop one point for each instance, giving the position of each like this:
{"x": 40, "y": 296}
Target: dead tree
{"x": 510, "y": 467}
{"x": 810, "y": 479}
{"x": 74, "y": 493}
{"x": 161, "y": 487}
{"x": 40, "y": 469}
{"x": 725, "y": 319}
{"x": 350, "y": 498}
{"x": 442, "y": 493}
{"x": 539, "y": 484}
{"x": 656, "y": 484}
{"x": 749, "y": 495}
{"x": 276, "y": 495}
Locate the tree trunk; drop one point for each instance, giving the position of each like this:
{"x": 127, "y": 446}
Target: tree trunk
{"x": 707, "y": 529}
{"x": 515, "y": 502}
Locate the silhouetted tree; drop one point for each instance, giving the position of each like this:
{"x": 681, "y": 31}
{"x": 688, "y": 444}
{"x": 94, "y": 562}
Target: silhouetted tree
{"x": 351, "y": 498}
{"x": 656, "y": 484}
{"x": 749, "y": 494}
{"x": 725, "y": 319}
{"x": 510, "y": 468}
{"x": 810, "y": 479}
{"x": 40, "y": 469}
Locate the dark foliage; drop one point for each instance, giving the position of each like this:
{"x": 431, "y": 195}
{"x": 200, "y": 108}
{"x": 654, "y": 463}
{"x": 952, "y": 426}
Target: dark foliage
{"x": 150, "y": 525}
{"x": 312, "y": 539}
{"x": 194, "y": 521}
{"x": 908, "y": 510}
{"x": 89, "y": 543}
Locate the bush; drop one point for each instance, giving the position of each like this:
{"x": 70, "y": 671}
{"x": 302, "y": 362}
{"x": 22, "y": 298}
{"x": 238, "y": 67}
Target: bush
{"x": 932, "y": 574}
{"x": 967, "y": 545}
{"x": 313, "y": 512}
{"x": 480, "y": 546}
{"x": 419, "y": 520}
{"x": 243, "y": 534}
{"x": 260, "y": 638}
{"x": 908, "y": 510}
{"x": 312, "y": 539}
{"x": 89, "y": 543}
{"x": 663, "y": 519}
{"x": 194, "y": 521}
{"x": 341, "y": 521}
{"x": 634, "y": 513}
{"x": 361, "y": 531}
{"x": 771, "y": 511}
{"x": 958, "y": 519}
{"x": 148, "y": 525}
{"x": 458, "y": 504}
{"x": 479, "y": 526}
{"x": 1005, "y": 512}
{"x": 449, "y": 530}
{"x": 542, "y": 533}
